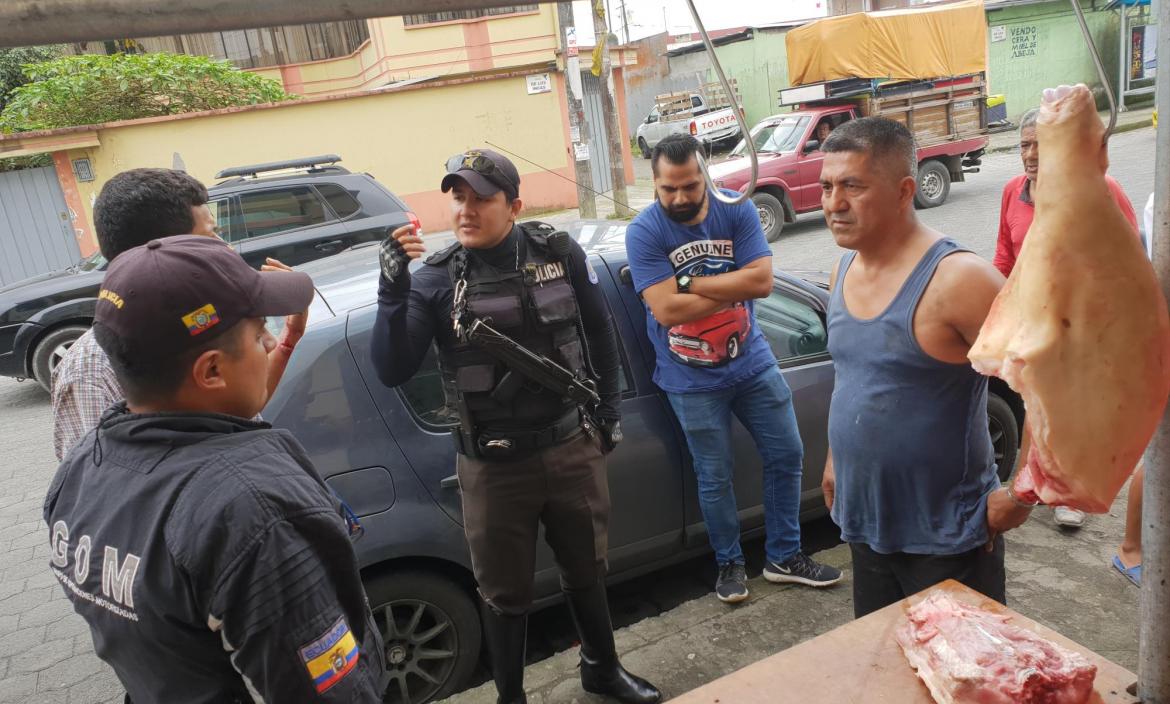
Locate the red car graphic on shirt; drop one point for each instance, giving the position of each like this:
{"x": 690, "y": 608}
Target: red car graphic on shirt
{"x": 712, "y": 341}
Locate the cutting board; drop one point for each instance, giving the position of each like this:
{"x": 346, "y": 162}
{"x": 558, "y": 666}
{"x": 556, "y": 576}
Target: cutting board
{"x": 861, "y": 662}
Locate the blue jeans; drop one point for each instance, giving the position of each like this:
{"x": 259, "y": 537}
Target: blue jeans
{"x": 763, "y": 403}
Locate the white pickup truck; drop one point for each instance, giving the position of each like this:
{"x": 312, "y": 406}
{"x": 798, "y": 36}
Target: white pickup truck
{"x": 711, "y": 127}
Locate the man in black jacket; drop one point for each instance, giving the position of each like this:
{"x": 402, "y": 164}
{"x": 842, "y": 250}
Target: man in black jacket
{"x": 531, "y": 441}
{"x": 205, "y": 552}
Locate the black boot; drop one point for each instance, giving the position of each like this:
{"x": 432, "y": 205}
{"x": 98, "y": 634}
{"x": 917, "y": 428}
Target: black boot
{"x": 505, "y": 636}
{"x": 601, "y": 672}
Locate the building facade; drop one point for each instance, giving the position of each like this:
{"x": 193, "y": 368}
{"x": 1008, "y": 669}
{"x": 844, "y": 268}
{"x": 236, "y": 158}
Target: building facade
{"x": 416, "y": 90}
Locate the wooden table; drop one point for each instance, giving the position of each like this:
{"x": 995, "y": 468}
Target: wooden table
{"x": 861, "y": 662}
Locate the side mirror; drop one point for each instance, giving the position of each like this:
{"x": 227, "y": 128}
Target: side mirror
{"x": 811, "y": 146}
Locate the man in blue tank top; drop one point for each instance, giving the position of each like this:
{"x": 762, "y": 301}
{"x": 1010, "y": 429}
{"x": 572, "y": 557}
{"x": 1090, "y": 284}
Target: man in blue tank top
{"x": 698, "y": 264}
{"x": 911, "y": 475}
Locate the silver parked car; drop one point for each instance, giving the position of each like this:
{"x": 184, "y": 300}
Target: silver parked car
{"x": 388, "y": 453}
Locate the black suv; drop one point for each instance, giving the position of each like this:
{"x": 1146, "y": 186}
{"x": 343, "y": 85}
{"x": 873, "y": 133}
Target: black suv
{"x": 295, "y": 211}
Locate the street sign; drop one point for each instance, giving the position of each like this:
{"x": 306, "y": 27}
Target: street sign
{"x": 539, "y": 83}
{"x": 571, "y": 41}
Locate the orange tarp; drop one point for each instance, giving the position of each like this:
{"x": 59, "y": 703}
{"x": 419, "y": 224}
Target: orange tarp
{"x": 919, "y": 43}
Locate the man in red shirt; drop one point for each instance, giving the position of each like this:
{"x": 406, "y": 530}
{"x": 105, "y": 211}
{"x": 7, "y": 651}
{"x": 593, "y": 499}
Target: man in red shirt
{"x": 1015, "y": 217}
{"x": 1018, "y": 208}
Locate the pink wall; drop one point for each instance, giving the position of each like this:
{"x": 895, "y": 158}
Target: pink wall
{"x": 86, "y": 241}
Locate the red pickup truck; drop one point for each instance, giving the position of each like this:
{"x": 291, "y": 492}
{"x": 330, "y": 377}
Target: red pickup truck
{"x": 946, "y": 118}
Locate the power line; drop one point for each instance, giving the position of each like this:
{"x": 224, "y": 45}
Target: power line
{"x": 554, "y": 173}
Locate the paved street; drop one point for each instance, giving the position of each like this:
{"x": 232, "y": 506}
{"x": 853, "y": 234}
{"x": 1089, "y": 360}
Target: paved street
{"x": 46, "y": 653}
{"x": 971, "y": 213}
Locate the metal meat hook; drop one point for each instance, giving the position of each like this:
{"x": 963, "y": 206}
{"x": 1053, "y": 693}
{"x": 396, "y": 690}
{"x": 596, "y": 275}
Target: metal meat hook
{"x": 739, "y": 118}
{"x": 1096, "y": 62}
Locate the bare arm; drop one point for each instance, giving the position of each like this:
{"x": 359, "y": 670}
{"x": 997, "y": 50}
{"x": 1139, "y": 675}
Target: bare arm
{"x": 829, "y": 477}
{"x": 979, "y": 283}
{"x": 971, "y": 285}
{"x": 829, "y": 480}
{"x": 671, "y": 308}
{"x": 752, "y": 281}
{"x": 294, "y": 329}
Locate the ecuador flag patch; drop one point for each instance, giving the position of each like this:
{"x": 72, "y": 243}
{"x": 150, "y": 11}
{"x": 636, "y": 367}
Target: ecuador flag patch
{"x": 201, "y": 319}
{"x": 330, "y": 657}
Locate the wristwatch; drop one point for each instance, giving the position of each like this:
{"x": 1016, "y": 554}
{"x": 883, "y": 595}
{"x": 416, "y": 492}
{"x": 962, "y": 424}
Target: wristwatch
{"x": 684, "y": 283}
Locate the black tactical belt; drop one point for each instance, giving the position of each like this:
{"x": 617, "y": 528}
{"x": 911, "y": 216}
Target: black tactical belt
{"x": 493, "y": 443}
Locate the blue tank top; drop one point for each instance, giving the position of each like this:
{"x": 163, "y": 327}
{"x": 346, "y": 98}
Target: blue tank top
{"x": 911, "y": 448}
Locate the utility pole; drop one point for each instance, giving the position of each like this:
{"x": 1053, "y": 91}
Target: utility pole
{"x": 1154, "y": 624}
{"x": 613, "y": 130}
{"x": 578, "y": 127}
{"x": 625, "y": 23}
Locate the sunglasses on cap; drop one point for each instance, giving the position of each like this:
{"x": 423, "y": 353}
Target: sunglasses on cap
{"x": 481, "y": 165}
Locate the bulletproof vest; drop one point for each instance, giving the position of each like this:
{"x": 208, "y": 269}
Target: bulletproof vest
{"x": 537, "y": 307}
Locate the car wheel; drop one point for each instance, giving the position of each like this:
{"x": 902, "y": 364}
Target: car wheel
{"x": 644, "y": 148}
{"x": 934, "y": 184}
{"x": 51, "y": 350}
{"x": 771, "y": 212}
{"x": 732, "y": 347}
{"x": 431, "y": 632}
{"x": 1005, "y": 435}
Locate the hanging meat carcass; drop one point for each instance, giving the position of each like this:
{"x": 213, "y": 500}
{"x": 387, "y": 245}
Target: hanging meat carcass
{"x": 1080, "y": 330}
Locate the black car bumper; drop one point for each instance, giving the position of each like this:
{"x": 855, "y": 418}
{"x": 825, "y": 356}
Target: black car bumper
{"x": 14, "y": 356}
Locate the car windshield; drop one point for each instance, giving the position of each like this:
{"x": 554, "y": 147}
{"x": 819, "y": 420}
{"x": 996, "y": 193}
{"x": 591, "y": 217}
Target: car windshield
{"x": 776, "y": 136}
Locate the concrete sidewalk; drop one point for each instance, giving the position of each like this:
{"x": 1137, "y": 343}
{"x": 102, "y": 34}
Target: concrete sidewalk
{"x": 1131, "y": 119}
{"x": 1061, "y": 579}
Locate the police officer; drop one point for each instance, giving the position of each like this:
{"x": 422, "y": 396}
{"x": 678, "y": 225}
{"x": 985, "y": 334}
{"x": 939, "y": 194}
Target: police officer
{"x": 531, "y": 443}
{"x": 204, "y": 550}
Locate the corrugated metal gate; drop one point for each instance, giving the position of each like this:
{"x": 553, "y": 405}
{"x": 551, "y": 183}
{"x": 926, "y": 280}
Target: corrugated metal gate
{"x": 35, "y": 231}
{"x": 598, "y": 144}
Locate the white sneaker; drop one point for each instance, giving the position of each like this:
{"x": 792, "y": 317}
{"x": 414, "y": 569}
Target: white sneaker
{"x": 1069, "y": 517}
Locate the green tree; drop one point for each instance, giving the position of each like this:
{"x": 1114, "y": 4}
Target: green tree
{"x": 92, "y": 89}
{"x": 12, "y": 63}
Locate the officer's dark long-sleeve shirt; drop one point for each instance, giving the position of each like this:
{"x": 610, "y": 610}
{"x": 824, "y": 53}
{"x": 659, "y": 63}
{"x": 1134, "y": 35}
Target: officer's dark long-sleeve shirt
{"x": 211, "y": 563}
{"x": 415, "y": 310}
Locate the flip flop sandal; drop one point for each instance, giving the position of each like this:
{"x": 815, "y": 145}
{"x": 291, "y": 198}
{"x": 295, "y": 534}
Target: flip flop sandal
{"x": 1133, "y": 574}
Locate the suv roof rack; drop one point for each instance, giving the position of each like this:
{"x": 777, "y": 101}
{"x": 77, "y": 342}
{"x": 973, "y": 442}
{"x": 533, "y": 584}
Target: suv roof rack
{"x": 311, "y": 164}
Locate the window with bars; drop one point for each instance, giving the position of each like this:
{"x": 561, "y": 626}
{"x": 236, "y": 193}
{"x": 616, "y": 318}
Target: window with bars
{"x": 250, "y": 48}
{"x": 452, "y": 15}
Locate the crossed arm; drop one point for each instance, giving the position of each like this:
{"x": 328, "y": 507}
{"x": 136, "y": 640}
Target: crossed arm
{"x": 708, "y": 294}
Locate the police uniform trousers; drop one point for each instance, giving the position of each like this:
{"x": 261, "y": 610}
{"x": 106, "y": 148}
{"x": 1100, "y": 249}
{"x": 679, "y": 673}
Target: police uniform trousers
{"x": 563, "y": 486}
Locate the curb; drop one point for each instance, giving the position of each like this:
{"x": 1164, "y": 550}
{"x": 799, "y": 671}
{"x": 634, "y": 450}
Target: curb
{"x": 1121, "y": 127}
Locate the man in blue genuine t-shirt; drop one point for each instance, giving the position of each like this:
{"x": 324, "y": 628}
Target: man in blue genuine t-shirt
{"x": 698, "y": 264}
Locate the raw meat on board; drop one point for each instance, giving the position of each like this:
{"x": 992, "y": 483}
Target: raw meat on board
{"x": 966, "y": 655}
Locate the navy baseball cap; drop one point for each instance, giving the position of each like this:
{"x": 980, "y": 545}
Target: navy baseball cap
{"x": 176, "y": 293}
{"x": 486, "y": 171}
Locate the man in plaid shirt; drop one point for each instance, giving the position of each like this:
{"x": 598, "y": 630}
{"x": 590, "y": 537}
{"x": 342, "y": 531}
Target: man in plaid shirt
{"x": 134, "y": 207}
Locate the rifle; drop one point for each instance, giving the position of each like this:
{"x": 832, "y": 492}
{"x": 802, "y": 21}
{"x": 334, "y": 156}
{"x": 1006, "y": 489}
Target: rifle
{"x": 538, "y": 368}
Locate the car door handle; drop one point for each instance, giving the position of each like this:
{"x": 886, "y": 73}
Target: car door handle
{"x": 331, "y": 244}
{"x": 451, "y": 482}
